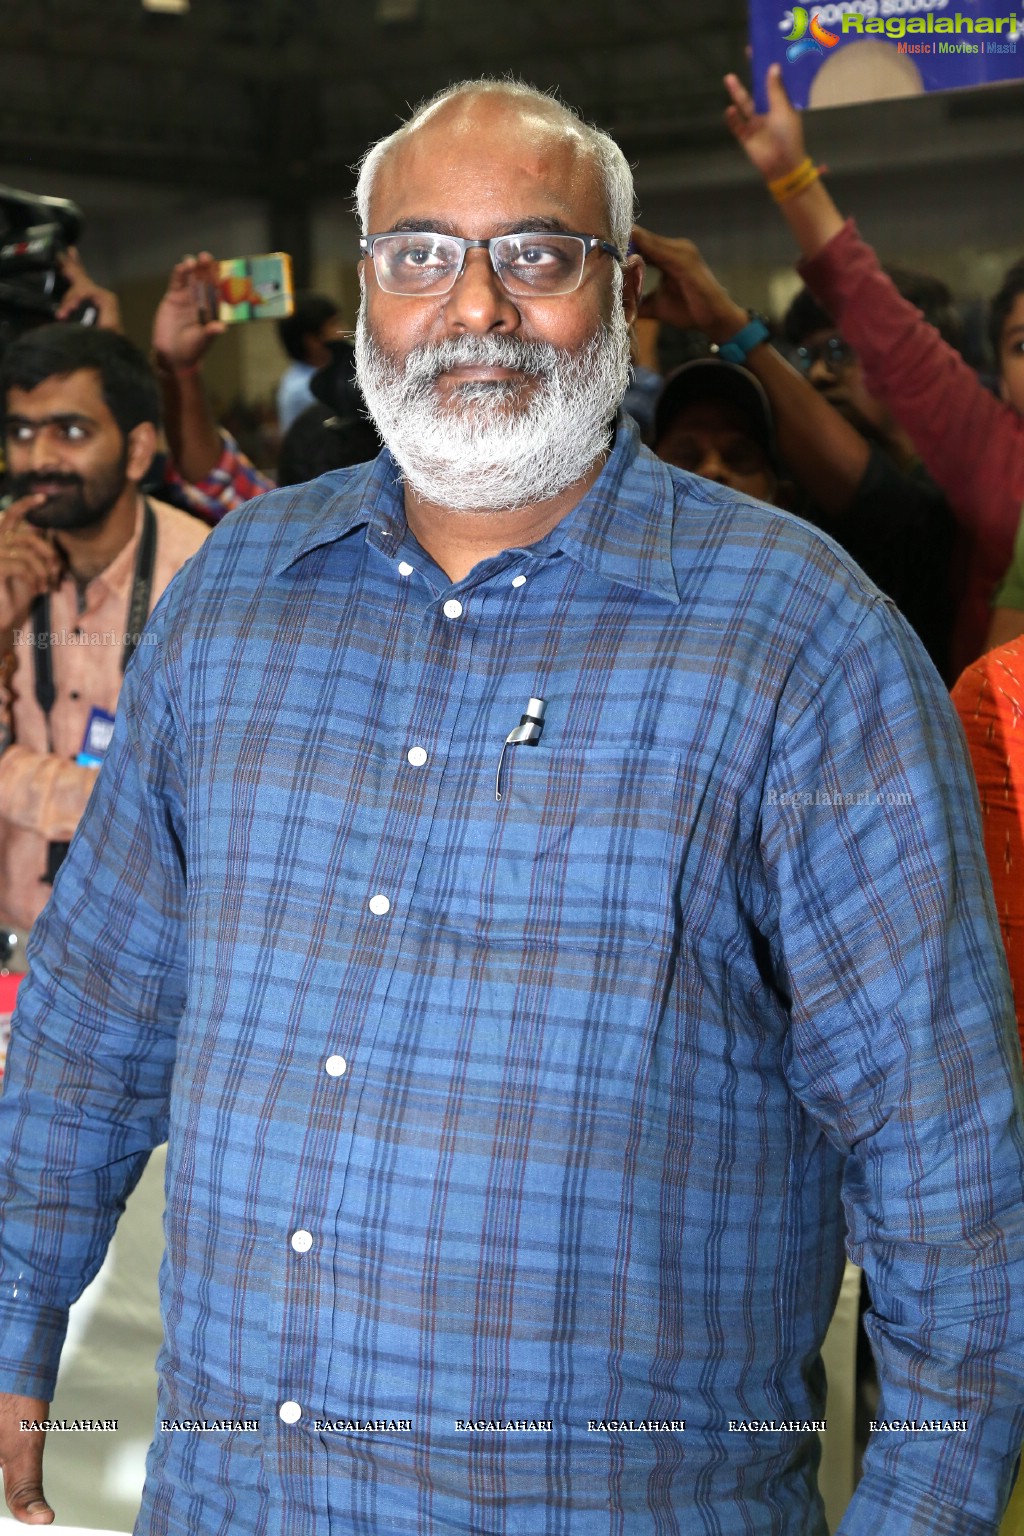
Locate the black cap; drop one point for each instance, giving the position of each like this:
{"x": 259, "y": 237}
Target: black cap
{"x": 712, "y": 378}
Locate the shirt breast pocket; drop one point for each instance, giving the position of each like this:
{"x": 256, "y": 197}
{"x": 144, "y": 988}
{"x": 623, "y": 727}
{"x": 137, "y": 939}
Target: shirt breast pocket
{"x": 582, "y": 849}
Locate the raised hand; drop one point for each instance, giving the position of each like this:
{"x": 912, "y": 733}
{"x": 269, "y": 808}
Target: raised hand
{"x": 29, "y": 563}
{"x": 183, "y": 326}
{"x": 773, "y": 140}
{"x": 689, "y": 294}
{"x": 83, "y": 290}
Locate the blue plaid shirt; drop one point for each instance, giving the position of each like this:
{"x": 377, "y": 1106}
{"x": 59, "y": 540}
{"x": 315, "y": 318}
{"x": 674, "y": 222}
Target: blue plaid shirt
{"x": 508, "y": 1137}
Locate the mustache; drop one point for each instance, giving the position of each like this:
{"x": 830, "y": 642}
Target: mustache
{"x": 24, "y": 485}
{"x": 425, "y": 364}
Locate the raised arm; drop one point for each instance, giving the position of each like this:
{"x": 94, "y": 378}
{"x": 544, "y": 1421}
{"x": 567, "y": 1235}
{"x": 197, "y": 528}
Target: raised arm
{"x": 826, "y": 454}
{"x": 85, "y": 295}
{"x": 184, "y": 329}
{"x": 971, "y": 444}
{"x": 29, "y": 564}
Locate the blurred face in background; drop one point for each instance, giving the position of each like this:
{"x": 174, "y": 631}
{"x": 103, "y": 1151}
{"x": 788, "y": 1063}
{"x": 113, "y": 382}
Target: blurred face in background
{"x": 1011, "y": 357}
{"x": 832, "y": 367}
{"x": 317, "y": 344}
{"x": 715, "y": 440}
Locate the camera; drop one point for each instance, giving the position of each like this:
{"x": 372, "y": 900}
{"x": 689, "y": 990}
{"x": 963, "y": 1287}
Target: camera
{"x": 34, "y": 233}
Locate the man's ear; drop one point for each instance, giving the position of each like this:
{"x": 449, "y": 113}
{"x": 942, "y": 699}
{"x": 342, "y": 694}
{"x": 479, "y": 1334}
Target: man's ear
{"x": 632, "y": 285}
{"x": 141, "y": 444}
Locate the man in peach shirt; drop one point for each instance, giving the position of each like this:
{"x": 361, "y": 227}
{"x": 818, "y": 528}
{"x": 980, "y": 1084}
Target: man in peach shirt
{"x": 83, "y": 559}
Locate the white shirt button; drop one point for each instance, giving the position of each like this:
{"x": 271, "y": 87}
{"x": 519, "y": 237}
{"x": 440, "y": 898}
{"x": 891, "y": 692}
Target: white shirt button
{"x": 519, "y": 581}
{"x": 417, "y": 756}
{"x": 302, "y": 1241}
{"x": 290, "y": 1412}
{"x": 379, "y": 905}
{"x": 404, "y": 568}
{"x": 335, "y": 1066}
{"x": 453, "y": 608}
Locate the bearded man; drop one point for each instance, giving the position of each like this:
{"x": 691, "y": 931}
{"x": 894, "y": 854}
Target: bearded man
{"x": 83, "y": 558}
{"x": 533, "y": 888}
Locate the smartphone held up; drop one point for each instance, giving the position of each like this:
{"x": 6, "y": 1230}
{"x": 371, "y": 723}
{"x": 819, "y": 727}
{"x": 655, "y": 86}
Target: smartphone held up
{"x": 251, "y": 288}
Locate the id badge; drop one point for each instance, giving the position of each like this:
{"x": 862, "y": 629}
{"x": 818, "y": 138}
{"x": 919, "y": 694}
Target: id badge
{"x": 97, "y": 739}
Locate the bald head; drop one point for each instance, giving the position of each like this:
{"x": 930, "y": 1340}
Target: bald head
{"x": 524, "y": 122}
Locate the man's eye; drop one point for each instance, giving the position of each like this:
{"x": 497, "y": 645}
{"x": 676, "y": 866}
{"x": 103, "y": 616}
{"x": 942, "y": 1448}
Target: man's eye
{"x": 422, "y": 255}
{"x": 74, "y": 433}
{"x": 742, "y": 456}
{"x": 20, "y": 434}
{"x": 536, "y": 256}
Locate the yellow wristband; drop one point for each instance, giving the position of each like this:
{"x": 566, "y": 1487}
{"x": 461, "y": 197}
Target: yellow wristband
{"x": 783, "y": 183}
{"x": 785, "y": 187}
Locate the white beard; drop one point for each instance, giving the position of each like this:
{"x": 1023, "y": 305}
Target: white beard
{"x": 482, "y": 450}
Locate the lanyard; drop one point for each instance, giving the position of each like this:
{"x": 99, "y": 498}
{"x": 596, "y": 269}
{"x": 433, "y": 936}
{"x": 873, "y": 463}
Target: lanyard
{"x": 138, "y": 613}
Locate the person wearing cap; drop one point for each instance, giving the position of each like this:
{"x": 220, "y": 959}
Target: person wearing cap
{"x": 971, "y": 442}
{"x": 714, "y": 419}
{"x": 894, "y": 522}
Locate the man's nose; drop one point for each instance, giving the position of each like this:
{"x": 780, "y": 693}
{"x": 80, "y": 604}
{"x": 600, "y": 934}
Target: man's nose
{"x": 820, "y": 374}
{"x": 42, "y": 451}
{"x": 479, "y": 303}
{"x": 712, "y": 467}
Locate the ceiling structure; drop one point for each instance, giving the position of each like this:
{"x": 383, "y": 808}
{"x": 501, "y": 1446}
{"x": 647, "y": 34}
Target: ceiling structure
{"x": 275, "y": 99}
{"x": 236, "y": 87}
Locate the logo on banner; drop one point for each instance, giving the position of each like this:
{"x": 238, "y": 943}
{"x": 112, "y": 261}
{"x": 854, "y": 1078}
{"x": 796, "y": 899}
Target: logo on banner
{"x": 808, "y": 35}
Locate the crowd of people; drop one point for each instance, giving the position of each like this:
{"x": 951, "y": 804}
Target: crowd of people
{"x": 664, "y": 1015}
{"x": 856, "y": 410}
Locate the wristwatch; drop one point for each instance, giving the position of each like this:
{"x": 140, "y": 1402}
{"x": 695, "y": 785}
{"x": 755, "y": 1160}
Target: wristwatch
{"x": 739, "y": 347}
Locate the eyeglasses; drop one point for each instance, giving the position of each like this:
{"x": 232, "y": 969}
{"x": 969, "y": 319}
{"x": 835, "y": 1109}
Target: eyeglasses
{"x": 537, "y": 264}
{"x": 833, "y": 352}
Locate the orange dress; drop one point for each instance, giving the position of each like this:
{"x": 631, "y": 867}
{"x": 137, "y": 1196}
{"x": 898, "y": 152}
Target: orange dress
{"x": 989, "y": 699}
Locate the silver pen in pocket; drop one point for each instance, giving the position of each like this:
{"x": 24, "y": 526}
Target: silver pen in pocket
{"x": 525, "y": 734}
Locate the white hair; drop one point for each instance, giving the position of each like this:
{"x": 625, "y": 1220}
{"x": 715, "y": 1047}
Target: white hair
{"x": 616, "y": 176}
{"x": 490, "y": 447}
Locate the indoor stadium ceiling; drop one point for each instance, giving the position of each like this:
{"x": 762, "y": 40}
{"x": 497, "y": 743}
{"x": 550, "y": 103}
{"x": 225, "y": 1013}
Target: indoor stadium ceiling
{"x": 271, "y": 102}
{"x": 277, "y": 97}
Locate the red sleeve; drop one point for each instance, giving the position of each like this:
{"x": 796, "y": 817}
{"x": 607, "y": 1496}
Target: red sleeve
{"x": 971, "y": 444}
{"x": 989, "y": 698}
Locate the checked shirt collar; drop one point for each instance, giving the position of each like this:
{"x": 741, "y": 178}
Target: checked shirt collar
{"x": 621, "y": 530}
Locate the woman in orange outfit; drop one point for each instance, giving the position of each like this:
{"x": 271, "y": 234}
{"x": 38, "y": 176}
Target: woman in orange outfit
{"x": 989, "y": 699}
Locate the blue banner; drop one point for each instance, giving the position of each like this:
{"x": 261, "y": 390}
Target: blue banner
{"x": 868, "y": 50}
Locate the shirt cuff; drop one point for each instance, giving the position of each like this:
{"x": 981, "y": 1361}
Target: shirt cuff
{"x": 234, "y": 478}
{"x": 899, "y": 1507}
{"x": 31, "y": 1340}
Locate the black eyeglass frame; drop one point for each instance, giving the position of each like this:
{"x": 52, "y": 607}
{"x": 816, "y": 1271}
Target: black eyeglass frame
{"x": 590, "y": 243}
{"x": 835, "y": 352}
